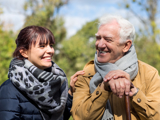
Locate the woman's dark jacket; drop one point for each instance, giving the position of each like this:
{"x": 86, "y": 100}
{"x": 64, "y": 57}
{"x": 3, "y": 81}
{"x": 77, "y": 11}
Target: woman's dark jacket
{"x": 15, "y": 106}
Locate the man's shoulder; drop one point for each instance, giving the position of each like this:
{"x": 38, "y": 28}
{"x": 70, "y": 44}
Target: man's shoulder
{"x": 89, "y": 68}
{"x": 146, "y": 66}
{"x": 89, "y": 64}
{"x": 146, "y": 70}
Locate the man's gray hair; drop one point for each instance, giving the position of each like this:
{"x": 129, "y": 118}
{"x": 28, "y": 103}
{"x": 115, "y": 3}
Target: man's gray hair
{"x": 127, "y": 30}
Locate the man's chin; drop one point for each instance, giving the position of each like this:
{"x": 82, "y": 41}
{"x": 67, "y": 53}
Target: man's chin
{"x": 100, "y": 60}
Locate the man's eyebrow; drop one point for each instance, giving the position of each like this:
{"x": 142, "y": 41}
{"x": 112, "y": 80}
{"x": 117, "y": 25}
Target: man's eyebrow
{"x": 104, "y": 36}
{"x": 96, "y": 34}
{"x": 108, "y": 37}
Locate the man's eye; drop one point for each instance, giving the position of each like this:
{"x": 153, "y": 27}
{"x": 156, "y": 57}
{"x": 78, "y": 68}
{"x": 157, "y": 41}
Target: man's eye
{"x": 98, "y": 37}
{"x": 108, "y": 40}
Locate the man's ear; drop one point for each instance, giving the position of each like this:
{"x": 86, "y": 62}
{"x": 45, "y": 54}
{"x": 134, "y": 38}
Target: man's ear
{"x": 24, "y": 53}
{"x": 127, "y": 46}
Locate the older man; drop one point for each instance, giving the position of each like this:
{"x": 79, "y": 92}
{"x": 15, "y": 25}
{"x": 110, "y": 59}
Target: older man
{"x": 100, "y": 91}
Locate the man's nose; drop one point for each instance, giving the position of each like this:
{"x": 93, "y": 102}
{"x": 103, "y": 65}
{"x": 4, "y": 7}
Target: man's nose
{"x": 101, "y": 43}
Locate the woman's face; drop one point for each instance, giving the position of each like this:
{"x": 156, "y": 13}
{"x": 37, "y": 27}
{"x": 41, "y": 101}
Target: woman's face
{"x": 40, "y": 55}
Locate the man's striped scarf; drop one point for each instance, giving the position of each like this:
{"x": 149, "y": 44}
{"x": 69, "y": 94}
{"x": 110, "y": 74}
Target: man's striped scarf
{"x": 48, "y": 88}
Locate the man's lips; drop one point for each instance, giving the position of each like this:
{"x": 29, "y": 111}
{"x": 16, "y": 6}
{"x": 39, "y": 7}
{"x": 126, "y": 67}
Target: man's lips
{"x": 102, "y": 51}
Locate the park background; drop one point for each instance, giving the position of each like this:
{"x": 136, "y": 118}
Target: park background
{"x": 74, "y": 24}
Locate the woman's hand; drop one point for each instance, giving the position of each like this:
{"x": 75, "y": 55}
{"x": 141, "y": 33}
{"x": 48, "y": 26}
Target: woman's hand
{"x": 73, "y": 81}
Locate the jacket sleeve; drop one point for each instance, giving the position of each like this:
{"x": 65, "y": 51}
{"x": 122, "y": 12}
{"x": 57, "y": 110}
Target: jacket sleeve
{"x": 68, "y": 106}
{"x": 9, "y": 105}
{"x": 87, "y": 106}
{"x": 147, "y": 102}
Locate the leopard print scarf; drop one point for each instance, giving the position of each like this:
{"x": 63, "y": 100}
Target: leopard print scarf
{"x": 48, "y": 88}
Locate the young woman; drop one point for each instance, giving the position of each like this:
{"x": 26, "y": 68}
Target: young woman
{"x": 37, "y": 89}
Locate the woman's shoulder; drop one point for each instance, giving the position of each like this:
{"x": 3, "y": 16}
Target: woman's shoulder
{"x": 13, "y": 103}
{"x": 9, "y": 93}
{"x": 8, "y": 90}
{"x": 7, "y": 85}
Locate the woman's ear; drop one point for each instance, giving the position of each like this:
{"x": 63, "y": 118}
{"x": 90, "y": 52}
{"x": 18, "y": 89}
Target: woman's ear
{"x": 24, "y": 53}
{"x": 127, "y": 46}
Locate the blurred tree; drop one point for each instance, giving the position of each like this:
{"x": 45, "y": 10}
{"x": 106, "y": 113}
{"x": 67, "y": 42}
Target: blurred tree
{"x": 7, "y": 47}
{"x": 150, "y": 9}
{"x": 148, "y": 51}
{"x": 148, "y": 38}
{"x": 7, "y": 44}
{"x": 44, "y": 13}
{"x": 79, "y": 49}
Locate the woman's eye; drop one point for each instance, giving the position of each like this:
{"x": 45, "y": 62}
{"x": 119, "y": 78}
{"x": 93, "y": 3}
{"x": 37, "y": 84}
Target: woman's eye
{"x": 42, "y": 46}
{"x": 51, "y": 45}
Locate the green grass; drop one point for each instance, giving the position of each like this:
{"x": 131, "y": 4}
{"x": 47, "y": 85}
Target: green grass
{"x": 71, "y": 118}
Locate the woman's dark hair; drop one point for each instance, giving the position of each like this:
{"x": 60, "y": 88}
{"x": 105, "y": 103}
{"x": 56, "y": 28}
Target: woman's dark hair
{"x": 29, "y": 35}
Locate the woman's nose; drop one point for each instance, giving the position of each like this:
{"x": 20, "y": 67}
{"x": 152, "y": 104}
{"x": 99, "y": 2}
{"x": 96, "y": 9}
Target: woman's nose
{"x": 50, "y": 49}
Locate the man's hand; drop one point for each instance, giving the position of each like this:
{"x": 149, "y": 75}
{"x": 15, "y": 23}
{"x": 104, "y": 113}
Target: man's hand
{"x": 116, "y": 74}
{"x": 119, "y": 82}
{"x": 119, "y": 86}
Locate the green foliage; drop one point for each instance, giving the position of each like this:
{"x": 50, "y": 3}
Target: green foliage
{"x": 43, "y": 15}
{"x": 148, "y": 51}
{"x": 149, "y": 8}
{"x": 41, "y": 18}
{"x": 78, "y": 50}
{"x": 147, "y": 47}
{"x": 127, "y": 5}
{"x": 1, "y": 11}
{"x": 7, "y": 43}
{"x": 71, "y": 118}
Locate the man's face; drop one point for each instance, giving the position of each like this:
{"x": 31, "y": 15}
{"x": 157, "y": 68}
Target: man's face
{"x": 107, "y": 43}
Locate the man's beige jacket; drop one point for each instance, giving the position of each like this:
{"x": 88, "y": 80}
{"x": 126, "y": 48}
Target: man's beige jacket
{"x": 145, "y": 105}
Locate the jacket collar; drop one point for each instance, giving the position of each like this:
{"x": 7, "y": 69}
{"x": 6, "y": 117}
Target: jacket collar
{"x": 89, "y": 69}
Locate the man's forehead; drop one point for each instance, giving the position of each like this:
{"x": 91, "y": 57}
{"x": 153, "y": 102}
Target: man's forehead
{"x": 108, "y": 36}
